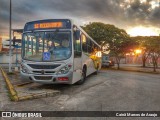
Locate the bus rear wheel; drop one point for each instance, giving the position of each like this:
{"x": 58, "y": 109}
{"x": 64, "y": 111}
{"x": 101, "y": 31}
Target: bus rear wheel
{"x": 83, "y": 77}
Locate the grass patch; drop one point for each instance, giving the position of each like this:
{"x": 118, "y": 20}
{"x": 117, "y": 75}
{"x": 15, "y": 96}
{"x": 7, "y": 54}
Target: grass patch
{"x": 10, "y": 96}
{"x": 10, "y": 73}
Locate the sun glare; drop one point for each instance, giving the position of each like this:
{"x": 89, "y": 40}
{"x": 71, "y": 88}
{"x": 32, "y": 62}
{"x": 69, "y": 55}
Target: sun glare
{"x": 142, "y": 31}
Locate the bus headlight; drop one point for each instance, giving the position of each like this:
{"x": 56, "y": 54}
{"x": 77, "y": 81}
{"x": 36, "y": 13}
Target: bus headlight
{"x": 64, "y": 69}
{"x": 24, "y": 69}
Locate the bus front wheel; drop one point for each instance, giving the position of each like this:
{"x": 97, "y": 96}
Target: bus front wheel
{"x": 83, "y": 77}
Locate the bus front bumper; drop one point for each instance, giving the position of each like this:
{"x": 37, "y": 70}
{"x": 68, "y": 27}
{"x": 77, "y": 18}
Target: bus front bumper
{"x": 48, "y": 78}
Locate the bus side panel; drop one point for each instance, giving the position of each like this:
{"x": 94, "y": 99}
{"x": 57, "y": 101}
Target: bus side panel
{"x": 77, "y": 72}
{"x": 76, "y": 76}
{"x": 89, "y": 62}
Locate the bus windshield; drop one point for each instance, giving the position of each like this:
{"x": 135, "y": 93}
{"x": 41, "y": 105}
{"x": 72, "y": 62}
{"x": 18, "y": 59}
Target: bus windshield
{"x": 57, "y": 44}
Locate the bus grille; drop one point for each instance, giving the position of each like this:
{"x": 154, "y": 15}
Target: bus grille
{"x": 45, "y": 72}
{"x": 43, "y": 66}
{"x": 43, "y": 77}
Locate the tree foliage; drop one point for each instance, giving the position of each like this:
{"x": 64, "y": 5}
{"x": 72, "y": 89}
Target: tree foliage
{"x": 117, "y": 40}
{"x": 154, "y": 47}
{"x": 142, "y": 43}
{"x": 150, "y": 46}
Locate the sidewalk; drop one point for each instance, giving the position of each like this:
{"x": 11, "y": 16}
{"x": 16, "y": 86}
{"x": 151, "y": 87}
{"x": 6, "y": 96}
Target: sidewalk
{"x": 136, "y": 68}
{"x": 4, "y": 93}
{"x": 20, "y": 90}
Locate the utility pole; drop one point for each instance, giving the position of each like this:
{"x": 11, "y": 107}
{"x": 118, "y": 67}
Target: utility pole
{"x": 10, "y": 28}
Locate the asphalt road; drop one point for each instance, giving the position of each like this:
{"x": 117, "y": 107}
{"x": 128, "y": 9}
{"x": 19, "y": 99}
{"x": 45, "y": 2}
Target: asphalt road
{"x": 107, "y": 91}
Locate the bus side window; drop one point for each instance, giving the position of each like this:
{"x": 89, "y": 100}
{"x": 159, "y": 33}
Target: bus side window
{"x": 90, "y": 44}
{"x": 84, "y": 44}
{"x": 77, "y": 46}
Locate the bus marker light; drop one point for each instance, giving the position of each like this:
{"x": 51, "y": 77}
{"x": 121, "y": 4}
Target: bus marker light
{"x": 99, "y": 54}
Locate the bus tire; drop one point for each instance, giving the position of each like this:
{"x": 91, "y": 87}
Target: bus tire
{"x": 83, "y": 77}
{"x": 96, "y": 72}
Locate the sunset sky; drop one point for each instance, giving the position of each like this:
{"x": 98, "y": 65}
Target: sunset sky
{"x": 137, "y": 17}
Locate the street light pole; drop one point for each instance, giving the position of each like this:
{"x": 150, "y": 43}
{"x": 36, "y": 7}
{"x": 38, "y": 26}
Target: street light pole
{"x": 10, "y": 27}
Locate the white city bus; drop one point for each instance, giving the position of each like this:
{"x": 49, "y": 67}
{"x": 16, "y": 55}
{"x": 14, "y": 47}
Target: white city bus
{"x": 56, "y": 51}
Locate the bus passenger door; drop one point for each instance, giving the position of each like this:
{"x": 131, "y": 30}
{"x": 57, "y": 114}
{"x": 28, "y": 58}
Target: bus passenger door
{"x": 77, "y": 57}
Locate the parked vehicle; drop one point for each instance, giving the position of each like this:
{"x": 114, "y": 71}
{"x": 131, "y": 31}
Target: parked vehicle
{"x": 106, "y": 62}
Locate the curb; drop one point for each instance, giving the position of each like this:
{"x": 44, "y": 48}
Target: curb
{"x": 11, "y": 89}
{"x": 40, "y": 95}
{"x": 16, "y": 98}
{"x": 123, "y": 69}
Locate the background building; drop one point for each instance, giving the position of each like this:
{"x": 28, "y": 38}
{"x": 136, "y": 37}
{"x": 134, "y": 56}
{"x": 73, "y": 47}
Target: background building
{"x": 4, "y": 48}
{"x": 0, "y": 43}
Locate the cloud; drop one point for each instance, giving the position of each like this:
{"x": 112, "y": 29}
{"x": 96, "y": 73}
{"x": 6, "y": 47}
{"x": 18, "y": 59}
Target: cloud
{"x": 154, "y": 17}
{"x": 122, "y": 13}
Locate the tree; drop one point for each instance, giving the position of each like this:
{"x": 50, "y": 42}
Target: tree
{"x": 97, "y": 31}
{"x": 143, "y": 43}
{"x": 118, "y": 40}
{"x": 150, "y": 46}
{"x": 154, "y": 47}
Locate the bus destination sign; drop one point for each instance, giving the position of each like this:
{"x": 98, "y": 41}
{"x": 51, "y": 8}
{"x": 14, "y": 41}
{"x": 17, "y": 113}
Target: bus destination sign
{"x": 48, "y": 25}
